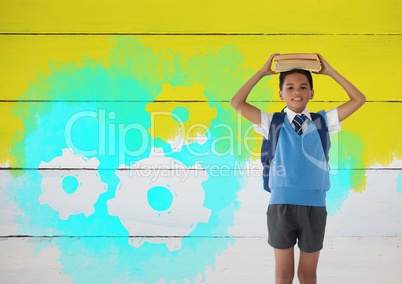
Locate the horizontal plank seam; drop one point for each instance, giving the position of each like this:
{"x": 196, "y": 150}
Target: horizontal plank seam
{"x": 174, "y": 101}
{"x": 179, "y": 236}
{"x": 110, "y": 236}
{"x": 190, "y": 34}
{"x": 172, "y": 169}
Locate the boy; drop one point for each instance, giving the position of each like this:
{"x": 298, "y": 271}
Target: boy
{"x": 296, "y": 212}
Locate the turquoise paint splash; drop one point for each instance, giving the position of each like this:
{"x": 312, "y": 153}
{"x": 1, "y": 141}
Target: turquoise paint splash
{"x": 399, "y": 183}
{"x": 160, "y": 198}
{"x": 115, "y": 133}
{"x": 346, "y": 168}
{"x": 70, "y": 184}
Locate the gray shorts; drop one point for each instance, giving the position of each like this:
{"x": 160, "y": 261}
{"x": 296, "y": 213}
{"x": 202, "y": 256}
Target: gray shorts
{"x": 290, "y": 223}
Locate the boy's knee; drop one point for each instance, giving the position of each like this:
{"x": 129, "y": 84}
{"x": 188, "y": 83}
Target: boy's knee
{"x": 307, "y": 277}
{"x": 284, "y": 276}
{"x": 285, "y": 279}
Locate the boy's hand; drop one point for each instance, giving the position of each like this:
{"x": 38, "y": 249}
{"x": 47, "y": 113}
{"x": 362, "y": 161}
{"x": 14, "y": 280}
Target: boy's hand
{"x": 326, "y": 69}
{"x": 267, "y": 69}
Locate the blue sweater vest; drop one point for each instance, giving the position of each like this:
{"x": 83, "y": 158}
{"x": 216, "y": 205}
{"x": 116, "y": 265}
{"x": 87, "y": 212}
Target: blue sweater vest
{"x": 299, "y": 172}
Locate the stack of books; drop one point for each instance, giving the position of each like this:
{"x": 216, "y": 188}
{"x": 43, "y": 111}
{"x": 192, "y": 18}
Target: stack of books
{"x": 305, "y": 61}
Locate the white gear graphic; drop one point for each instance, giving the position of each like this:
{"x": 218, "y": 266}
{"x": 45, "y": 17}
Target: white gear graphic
{"x": 144, "y": 223}
{"x": 89, "y": 188}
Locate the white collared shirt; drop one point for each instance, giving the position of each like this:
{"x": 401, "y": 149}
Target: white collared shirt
{"x": 333, "y": 123}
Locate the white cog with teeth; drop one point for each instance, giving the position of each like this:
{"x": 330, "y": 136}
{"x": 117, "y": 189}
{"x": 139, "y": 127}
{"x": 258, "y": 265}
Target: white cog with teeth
{"x": 89, "y": 185}
{"x": 161, "y": 225}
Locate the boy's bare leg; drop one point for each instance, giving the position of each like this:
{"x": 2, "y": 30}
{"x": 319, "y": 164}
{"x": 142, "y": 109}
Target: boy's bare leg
{"x": 307, "y": 271}
{"x": 284, "y": 266}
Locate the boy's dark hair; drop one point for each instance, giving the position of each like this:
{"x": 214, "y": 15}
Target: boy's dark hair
{"x": 283, "y": 75}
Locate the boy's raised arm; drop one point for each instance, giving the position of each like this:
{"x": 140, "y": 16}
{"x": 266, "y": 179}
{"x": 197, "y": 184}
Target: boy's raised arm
{"x": 356, "y": 98}
{"x": 238, "y": 101}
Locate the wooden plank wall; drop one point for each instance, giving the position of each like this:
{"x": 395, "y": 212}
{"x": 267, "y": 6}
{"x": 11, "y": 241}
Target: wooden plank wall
{"x": 122, "y": 160}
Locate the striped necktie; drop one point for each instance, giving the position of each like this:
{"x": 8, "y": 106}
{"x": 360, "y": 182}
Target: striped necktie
{"x": 297, "y": 122}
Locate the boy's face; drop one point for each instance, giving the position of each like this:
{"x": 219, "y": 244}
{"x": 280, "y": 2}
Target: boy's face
{"x": 296, "y": 92}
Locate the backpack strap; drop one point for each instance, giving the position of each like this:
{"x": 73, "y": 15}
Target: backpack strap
{"x": 322, "y": 129}
{"x": 268, "y": 146}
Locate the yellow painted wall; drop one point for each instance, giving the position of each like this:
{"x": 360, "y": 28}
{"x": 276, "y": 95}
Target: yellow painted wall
{"x": 118, "y": 62}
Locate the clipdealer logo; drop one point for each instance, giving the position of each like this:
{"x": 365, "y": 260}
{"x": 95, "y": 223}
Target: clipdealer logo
{"x": 111, "y": 137}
